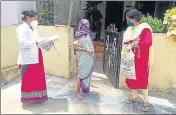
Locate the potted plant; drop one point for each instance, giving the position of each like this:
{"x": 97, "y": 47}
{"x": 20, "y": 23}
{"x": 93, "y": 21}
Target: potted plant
{"x": 155, "y": 23}
{"x": 170, "y": 22}
{"x": 43, "y": 17}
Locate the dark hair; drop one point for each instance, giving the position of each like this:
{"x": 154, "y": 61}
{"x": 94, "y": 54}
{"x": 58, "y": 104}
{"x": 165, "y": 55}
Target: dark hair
{"x": 134, "y": 14}
{"x": 126, "y": 13}
{"x": 29, "y": 13}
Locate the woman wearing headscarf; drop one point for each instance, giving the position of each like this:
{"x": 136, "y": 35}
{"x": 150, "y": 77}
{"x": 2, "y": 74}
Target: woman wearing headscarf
{"x": 138, "y": 39}
{"x": 30, "y": 61}
{"x": 83, "y": 46}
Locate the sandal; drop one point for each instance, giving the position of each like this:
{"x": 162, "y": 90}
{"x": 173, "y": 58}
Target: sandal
{"x": 130, "y": 100}
{"x": 145, "y": 107}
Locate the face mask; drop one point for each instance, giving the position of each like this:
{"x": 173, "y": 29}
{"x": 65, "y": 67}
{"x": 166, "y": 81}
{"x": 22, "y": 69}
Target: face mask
{"x": 129, "y": 23}
{"x": 34, "y": 24}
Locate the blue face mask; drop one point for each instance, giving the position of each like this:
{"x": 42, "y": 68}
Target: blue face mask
{"x": 129, "y": 23}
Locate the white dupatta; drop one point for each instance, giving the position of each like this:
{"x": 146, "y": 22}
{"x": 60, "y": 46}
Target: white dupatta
{"x": 133, "y": 34}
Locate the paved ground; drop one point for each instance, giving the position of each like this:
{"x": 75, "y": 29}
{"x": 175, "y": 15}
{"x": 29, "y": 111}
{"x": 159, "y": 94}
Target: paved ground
{"x": 103, "y": 99}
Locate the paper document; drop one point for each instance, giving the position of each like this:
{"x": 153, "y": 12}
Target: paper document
{"x": 45, "y": 40}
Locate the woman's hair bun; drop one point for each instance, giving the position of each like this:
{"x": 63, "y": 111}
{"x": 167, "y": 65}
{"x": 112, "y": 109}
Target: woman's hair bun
{"x": 28, "y": 13}
{"x": 24, "y": 12}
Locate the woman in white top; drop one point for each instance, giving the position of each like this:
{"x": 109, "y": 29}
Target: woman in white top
{"x": 30, "y": 61}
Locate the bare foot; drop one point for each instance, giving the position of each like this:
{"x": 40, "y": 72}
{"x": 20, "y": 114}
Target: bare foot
{"x": 78, "y": 96}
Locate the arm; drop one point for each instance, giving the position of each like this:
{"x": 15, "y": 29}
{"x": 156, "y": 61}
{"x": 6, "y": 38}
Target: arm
{"x": 76, "y": 46}
{"x": 23, "y": 40}
{"x": 147, "y": 41}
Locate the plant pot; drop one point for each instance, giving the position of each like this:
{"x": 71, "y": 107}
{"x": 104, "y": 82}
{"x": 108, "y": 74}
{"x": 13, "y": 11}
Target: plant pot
{"x": 172, "y": 37}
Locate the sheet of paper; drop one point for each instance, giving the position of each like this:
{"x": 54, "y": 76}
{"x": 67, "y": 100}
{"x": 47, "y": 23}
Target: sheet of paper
{"x": 46, "y": 40}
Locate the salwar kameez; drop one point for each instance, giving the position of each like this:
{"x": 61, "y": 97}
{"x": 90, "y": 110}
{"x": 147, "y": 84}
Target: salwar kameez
{"x": 141, "y": 61}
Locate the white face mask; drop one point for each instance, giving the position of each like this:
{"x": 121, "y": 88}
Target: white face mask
{"x": 34, "y": 24}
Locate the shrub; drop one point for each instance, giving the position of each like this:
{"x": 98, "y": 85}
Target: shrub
{"x": 155, "y": 23}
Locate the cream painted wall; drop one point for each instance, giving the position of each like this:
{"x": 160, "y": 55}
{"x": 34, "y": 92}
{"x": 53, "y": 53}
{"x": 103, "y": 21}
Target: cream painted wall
{"x": 162, "y": 73}
{"x": 54, "y": 64}
{"x": 9, "y": 45}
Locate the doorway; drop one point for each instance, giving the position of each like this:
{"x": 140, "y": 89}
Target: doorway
{"x": 114, "y": 14}
{"x": 161, "y": 8}
{"x": 146, "y": 7}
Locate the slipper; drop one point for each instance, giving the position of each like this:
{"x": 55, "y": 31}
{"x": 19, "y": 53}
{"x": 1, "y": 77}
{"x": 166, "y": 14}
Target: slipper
{"x": 145, "y": 107}
{"x": 130, "y": 100}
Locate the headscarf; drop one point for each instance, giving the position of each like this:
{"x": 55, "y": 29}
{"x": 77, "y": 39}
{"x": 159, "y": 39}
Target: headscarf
{"x": 83, "y": 29}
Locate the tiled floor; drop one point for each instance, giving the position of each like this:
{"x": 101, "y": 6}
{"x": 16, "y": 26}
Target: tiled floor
{"x": 103, "y": 99}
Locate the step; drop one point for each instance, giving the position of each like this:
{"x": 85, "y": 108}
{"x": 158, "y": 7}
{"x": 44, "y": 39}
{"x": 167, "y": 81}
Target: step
{"x": 99, "y": 55}
{"x": 97, "y": 43}
{"x": 99, "y": 48}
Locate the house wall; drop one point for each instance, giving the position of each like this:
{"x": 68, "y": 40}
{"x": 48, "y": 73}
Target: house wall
{"x": 13, "y": 16}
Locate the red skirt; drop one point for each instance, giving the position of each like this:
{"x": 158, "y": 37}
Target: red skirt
{"x": 33, "y": 87}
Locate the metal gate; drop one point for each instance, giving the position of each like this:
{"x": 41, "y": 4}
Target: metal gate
{"x": 112, "y": 56}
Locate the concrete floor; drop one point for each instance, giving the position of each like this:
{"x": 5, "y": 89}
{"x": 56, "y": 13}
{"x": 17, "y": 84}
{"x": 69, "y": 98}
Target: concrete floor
{"x": 104, "y": 99}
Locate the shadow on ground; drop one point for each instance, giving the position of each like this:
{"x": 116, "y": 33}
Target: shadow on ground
{"x": 15, "y": 81}
{"x": 90, "y": 99}
{"x": 100, "y": 82}
{"x": 50, "y": 106}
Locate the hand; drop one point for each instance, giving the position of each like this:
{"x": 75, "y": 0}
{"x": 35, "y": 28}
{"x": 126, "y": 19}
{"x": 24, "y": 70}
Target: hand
{"x": 51, "y": 43}
{"x": 135, "y": 43}
{"x": 90, "y": 51}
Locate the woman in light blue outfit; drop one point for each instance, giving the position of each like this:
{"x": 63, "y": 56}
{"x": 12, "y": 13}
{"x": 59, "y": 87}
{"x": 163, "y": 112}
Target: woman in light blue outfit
{"x": 83, "y": 46}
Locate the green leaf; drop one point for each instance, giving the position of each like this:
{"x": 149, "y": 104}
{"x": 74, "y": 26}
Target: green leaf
{"x": 155, "y": 23}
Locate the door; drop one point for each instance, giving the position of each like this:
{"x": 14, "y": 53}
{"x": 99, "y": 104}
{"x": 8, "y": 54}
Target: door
{"x": 114, "y": 14}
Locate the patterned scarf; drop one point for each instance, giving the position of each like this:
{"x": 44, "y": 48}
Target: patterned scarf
{"x": 83, "y": 29}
